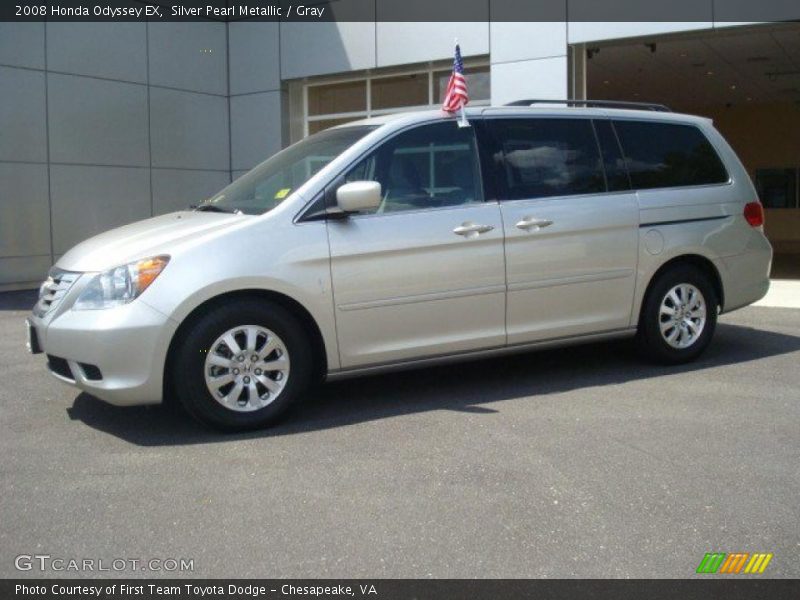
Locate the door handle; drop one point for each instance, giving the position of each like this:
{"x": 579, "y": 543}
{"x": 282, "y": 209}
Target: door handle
{"x": 531, "y": 224}
{"x": 470, "y": 229}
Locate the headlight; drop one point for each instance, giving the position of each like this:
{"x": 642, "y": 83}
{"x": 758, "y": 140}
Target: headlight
{"x": 120, "y": 285}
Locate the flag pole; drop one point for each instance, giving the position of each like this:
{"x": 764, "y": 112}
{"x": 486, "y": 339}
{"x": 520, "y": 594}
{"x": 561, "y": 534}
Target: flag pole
{"x": 462, "y": 120}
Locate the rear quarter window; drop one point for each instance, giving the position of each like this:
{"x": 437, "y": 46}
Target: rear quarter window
{"x": 661, "y": 155}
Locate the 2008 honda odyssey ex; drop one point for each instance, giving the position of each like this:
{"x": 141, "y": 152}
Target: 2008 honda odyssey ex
{"x": 408, "y": 240}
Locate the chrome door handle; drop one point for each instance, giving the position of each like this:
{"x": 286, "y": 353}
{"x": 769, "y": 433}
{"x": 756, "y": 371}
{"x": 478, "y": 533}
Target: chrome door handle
{"x": 529, "y": 223}
{"x": 470, "y": 229}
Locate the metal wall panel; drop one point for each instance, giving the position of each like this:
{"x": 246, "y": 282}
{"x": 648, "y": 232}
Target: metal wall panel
{"x": 255, "y": 128}
{"x": 15, "y": 272}
{"x": 24, "y": 210}
{"x": 254, "y": 57}
{"x": 321, "y": 48}
{"x": 111, "y": 50}
{"x": 95, "y": 103}
{"x": 189, "y": 56}
{"x": 538, "y": 78}
{"x": 22, "y": 44}
{"x": 23, "y": 134}
{"x": 97, "y": 122}
{"x": 403, "y": 43}
{"x": 189, "y": 130}
{"x": 524, "y": 41}
{"x": 89, "y": 200}
{"x": 177, "y": 189}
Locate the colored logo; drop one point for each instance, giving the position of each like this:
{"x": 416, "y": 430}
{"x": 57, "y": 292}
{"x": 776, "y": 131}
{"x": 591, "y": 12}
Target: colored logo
{"x": 734, "y": 563}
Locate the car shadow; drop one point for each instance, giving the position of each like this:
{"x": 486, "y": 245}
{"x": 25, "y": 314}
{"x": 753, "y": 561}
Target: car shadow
{"x": 466, "y": 387}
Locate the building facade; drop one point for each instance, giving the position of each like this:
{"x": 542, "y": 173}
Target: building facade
{"x": 106, "y": 123}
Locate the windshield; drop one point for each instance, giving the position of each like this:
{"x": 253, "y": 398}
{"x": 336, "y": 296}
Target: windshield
{"x": 267, "y": 185}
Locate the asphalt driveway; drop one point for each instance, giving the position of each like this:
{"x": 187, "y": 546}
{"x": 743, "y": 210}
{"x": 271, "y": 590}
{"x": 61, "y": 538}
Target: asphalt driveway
{"x": 581, "y": 462}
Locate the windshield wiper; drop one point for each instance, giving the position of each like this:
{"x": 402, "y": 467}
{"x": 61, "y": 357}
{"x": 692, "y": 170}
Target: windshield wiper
{"x": 212, "y": 208}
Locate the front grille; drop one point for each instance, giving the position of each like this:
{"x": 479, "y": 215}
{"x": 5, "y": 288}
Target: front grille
{"x": 53, "y": 290}
{"x": 59, "y": 366}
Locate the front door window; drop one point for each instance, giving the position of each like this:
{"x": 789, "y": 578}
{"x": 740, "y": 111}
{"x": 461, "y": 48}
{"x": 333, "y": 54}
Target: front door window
{"x": 432, "y": 166}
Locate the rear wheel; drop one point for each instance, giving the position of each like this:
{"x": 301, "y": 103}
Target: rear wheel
{"x": 243, "y": 365}
{"x": 679, "y": 315}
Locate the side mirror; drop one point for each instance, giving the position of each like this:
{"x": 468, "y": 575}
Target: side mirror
{"x": 358, "y": 196}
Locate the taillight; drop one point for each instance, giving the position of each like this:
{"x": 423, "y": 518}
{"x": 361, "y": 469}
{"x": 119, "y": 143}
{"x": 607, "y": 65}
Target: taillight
{"x": 754, "y": 214}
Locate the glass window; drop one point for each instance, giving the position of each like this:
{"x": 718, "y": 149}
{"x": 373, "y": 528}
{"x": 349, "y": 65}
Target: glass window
{"x": 267, "y": 185}
{"x": 330, "y": 104}
{"x": 777, "y": 188}
{"x": 539, "y": 158}
{"x": 613, "y": 162}
{"x": 350, "y": 96}
{"x": 404, "y": 90}
{"x": 668, "y": 155}
{"x": 432, "y": 166}
{"x": 477, "y": 83}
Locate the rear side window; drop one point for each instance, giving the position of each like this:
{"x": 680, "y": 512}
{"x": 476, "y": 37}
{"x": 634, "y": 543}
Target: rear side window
{"x": 539, "y": 158}
{"x": 661, "y": 155}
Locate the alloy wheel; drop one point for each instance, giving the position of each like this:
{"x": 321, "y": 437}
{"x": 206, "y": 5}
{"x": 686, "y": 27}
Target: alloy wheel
{"x": 246, "y": 368}
{"x": 682, "y": 316}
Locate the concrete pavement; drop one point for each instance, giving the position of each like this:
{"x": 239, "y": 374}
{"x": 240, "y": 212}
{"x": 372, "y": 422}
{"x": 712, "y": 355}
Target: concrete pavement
{"x": 783, "y": 293}
{"x": 581, "y": 462}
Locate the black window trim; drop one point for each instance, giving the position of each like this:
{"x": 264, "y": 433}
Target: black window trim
{"x": 600, "y": 154}
{"x": 618, "y": 143}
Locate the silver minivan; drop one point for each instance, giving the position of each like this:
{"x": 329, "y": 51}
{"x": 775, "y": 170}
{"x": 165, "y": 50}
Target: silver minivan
{"x": 410, "y": 240}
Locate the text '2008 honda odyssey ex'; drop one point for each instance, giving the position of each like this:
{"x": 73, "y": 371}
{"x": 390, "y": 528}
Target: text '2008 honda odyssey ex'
{"x": 409, "y": 240}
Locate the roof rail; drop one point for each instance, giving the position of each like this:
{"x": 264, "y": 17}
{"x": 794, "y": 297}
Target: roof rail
{"x": 596, "y": 104}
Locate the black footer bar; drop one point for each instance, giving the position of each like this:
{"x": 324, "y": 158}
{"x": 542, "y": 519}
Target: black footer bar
{"x": 390, "y": 589}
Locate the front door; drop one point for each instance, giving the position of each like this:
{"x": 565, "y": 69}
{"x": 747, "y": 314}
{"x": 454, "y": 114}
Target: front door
{"x": 424, "y": 274}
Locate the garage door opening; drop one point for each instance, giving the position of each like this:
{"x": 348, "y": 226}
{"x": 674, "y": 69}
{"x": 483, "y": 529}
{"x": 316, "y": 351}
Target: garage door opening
{"x": 747, "y": 79}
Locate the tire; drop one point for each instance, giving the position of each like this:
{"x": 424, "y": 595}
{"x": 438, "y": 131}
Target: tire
{"x": 680, "y": 343}
{"x": 204, "y": 361}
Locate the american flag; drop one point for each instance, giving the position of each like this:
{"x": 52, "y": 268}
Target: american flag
{"x": 456, "y": 94}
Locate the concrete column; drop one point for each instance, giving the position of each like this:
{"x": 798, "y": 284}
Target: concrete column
{"x": 577, "y": 72}
{"x": 528, "y": 60}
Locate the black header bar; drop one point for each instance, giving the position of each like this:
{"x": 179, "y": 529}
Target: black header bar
{"x": 702, "y": 11}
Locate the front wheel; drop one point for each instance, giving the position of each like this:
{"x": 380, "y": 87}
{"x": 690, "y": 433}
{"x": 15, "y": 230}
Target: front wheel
{"x": 243, "y": 365}
{"x": 679, "y": 316}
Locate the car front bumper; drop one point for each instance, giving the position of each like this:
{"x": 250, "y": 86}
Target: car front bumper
{"x": 117, "y": 354}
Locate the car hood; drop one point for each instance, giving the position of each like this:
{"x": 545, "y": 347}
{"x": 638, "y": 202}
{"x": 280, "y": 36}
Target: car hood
{"x": 151, "y": 237}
